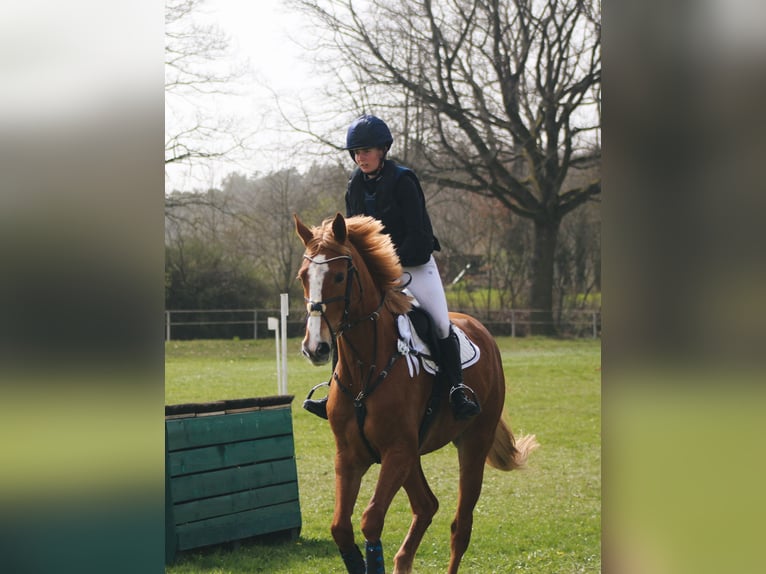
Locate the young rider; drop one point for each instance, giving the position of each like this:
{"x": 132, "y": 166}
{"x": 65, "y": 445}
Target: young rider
{"x": 391, "y": 193}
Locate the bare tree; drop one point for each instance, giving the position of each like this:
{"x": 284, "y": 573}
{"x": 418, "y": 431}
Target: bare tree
{"x": 481, "y": 245}
{"x": 265, "y": 224}
{"x": 197, "y": 73}
{"x": 201, "y": 269}
{"x": 263, "y": 229}
{"x": 495, "y": 97}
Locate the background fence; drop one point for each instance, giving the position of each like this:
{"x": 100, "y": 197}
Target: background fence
{"x": 253, "y": 323}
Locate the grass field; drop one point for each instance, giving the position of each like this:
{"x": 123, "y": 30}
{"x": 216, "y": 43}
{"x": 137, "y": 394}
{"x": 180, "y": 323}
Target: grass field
{"x": 545, "y": 520}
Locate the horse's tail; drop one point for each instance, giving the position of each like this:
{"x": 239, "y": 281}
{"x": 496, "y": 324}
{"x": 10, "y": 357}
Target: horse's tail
{"x": 508, "y": 453}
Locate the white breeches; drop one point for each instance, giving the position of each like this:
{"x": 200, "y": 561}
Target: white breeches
{"x": 426, "y": 286}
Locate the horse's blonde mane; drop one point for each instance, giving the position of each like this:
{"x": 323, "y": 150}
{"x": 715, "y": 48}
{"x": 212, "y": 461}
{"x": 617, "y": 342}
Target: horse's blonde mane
{"x": 365, "y": 235}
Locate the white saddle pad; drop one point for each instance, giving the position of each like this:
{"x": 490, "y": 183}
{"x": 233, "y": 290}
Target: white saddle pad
{"x": 417, "y": 352}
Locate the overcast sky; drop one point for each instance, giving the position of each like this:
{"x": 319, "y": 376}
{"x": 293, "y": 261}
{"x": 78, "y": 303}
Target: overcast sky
{"x": 263, "y": 35}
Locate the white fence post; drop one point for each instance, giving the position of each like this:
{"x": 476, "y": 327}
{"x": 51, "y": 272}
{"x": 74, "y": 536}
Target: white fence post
{"x": 285, "y": 310}
{"x": 273, "y": 324}
{"x": 167, "y": 325}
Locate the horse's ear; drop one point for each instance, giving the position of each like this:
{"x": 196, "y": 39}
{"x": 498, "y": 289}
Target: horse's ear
{"x": 339, "y": 228}
{"x": 303, "y": 232}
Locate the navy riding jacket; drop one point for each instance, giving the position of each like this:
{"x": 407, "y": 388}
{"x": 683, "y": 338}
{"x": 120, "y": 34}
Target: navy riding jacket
{"x": 396, "y": 199}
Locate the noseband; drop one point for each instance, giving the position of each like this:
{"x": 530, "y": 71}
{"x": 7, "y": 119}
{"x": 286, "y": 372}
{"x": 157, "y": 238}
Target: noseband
{"x": 318, "y": 308}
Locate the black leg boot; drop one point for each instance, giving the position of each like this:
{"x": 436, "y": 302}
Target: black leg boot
{"x": 374, "y": 558}
{"x": 462, "y": 406}
{"x": 316, "y": 407}
{"x": 354, "y": 561}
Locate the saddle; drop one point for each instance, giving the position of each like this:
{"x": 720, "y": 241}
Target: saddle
{"x": 418, "y": 342}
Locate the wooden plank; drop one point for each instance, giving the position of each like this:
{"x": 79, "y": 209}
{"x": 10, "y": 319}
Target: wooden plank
{"x": 216, "y": 483}
{"x": 238, "y": 502}
{"x": 206, "y": 431}
{"x": 170, "y": 530}
{"x": 233, "y": 454}
{"x": 238, "y": 526}
{"x": 253, "y": 403}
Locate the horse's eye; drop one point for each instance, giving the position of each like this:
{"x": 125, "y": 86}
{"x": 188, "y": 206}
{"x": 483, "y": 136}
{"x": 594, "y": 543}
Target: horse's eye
{"x": 339, "y": 277}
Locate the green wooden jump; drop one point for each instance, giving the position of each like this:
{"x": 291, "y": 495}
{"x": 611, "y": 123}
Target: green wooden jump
{"x": 230, "y": 472}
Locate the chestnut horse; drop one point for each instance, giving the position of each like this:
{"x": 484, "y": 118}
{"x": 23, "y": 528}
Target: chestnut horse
{"x": 351, "y": 283}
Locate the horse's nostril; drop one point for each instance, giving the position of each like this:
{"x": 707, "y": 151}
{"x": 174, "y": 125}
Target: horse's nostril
{"x": 323, "y": 349}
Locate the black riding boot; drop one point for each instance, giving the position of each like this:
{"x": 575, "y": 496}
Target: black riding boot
{"x": 462, "y": 406}
{"x": 316, "y": 407}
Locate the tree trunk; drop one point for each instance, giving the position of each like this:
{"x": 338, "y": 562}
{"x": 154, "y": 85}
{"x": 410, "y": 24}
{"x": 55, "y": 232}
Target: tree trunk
{"x": 541, "y": 292}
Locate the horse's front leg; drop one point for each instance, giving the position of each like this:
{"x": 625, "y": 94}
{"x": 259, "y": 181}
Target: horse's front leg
{"x": 348, "y": 479}
{"x": 395, "y": 467}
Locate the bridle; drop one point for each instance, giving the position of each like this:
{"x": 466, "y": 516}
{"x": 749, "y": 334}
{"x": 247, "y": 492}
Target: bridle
{"x": 318, "y": 308}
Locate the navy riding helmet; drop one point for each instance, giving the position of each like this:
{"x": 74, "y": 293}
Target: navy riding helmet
{"x": 367, "y": 132}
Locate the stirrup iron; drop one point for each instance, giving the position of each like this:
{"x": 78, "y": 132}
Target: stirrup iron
{"x": 462, "y": 386}
{"x": 315, "y": 387}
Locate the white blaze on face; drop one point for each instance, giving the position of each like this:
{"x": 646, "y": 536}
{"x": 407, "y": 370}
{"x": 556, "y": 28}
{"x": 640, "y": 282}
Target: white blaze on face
{"x": 317, "y": 273}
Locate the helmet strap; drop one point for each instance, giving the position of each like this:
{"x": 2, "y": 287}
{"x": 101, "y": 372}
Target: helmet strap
{"x": 380, "y": 167}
